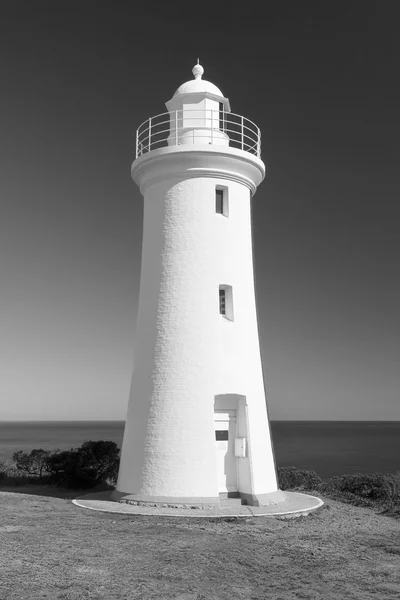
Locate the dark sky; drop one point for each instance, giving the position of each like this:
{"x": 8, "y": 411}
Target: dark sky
{"x": 321, "y": 80}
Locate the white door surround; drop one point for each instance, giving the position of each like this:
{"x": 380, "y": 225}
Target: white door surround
{"x": 225, "y": 433}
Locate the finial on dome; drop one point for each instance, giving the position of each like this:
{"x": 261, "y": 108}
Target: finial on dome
{"x": 198, "y": 70}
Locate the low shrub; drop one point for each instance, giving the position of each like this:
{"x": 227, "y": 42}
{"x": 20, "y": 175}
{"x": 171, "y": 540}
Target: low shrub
{"x": 348, "y": 498}
{"x": 11, "y": 476}
{"x": 100, "y": 460}
{"x": 374, "y": 488}
{"x": 64, "y": 467}
{"x": 292, "y": 478}
{"x": 379, "y": 490}
{"x": 32, "y": 463}
{"x": 5, "y": 469}
{"x": 88, "y": 466}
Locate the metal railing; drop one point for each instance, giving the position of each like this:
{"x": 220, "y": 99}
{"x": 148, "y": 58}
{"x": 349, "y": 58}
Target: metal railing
{"x": 198, "y": 127}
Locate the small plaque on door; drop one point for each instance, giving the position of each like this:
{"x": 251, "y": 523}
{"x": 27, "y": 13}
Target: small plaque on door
{"x": 221, "y": 436}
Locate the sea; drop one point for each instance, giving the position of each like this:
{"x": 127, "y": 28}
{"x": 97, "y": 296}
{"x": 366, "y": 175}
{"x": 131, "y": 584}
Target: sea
{"x": 327, "y": 447}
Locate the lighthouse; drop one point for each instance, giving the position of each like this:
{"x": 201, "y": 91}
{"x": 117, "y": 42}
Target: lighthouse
{"x": 197, "y": 428}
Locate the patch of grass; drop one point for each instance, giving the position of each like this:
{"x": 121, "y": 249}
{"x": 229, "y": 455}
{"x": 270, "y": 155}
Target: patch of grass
{"x": 53, "y": 549}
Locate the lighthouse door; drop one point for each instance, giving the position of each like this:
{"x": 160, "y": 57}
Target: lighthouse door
{"x": 225, "y": 433}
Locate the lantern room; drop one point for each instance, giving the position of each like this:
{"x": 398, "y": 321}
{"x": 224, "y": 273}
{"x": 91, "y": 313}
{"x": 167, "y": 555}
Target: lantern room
{"x": 198, "y": 112}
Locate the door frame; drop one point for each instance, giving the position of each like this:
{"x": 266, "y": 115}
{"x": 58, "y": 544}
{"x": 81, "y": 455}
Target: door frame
{"x": 225, "y": 415}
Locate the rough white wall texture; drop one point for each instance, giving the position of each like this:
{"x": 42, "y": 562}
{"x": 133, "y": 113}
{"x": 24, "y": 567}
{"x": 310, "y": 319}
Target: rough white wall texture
{"x": 186, "y": 352}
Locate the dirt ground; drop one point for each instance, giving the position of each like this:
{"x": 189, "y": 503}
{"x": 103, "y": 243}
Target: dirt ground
{"x": 51, "y": 549}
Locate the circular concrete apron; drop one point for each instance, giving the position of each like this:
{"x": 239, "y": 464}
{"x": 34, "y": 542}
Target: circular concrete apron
{"x": 294, "y": 505}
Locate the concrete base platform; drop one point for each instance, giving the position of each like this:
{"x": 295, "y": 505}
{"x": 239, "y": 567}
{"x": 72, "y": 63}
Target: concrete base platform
{"x": 295, "y": 504}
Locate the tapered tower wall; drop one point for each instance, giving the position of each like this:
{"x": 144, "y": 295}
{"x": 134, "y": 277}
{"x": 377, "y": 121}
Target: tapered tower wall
{"x": 187, "y": 353}
{"x": 193, "y": 363}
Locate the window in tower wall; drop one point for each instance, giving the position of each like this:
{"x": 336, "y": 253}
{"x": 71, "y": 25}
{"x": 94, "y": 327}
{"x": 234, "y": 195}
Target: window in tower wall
{"x": 222, "y": 301}
{"x": 226, "y": 302}
{"x": 221, "y": 201}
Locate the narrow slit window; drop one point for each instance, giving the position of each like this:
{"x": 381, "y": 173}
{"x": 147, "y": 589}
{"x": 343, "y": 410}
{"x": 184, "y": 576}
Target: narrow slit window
{"x": 221, "y": 201}
{"x": 226, "y": 302}
{"x": 222, "y": 301}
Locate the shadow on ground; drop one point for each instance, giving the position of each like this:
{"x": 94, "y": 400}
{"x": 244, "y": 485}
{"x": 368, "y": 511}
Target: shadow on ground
{"x": 53, "y": 491}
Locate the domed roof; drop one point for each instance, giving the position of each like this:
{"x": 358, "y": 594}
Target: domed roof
{"x": 198, "y": 85}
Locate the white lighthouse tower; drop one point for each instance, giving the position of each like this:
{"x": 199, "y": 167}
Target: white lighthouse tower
{"x": 197, "y": 427}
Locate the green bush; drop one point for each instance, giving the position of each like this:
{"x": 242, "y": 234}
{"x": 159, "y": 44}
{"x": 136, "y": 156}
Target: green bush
{"x": 11, "y": 476}
{"x": 369, "y": 490}
{"x": 34, "y": 463}
{"x": 292, "y": 478}
{"x": 5, "y": 468}
{"x": 100, "y": 460}
{"x": 374, "y": 488}
{"x": 85, "y": 467}
{"x": 64, "y": 469}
